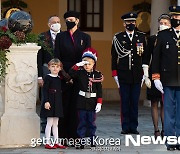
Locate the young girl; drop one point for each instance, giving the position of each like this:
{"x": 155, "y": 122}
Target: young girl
{"x": 52, "y": 103}
{"x": 89, "y": 100}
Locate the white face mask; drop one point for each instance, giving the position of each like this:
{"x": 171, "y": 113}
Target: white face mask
{"x": 163, "y": 27}
{"x": 55, "y": 27}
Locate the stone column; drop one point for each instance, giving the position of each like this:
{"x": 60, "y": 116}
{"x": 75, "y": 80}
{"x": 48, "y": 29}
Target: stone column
{"x": 2, "y": 95}
{"x": 157, "y": 8}
{"x": 20, "y": 122}
{"x": 0, "y": 9}
{"x": 178, "y": 2}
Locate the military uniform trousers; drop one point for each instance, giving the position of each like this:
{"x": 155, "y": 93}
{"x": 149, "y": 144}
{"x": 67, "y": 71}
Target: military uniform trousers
{"x": 171, "y": 111}
{"x": 86, "y": 121}
{"x": 129, "y": 94}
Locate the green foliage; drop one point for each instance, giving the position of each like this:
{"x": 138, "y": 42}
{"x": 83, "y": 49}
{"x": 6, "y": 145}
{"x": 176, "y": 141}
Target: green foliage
{"x": 31, "y": 38}
{"x": 43, "y": 41}
{"x": 17, "y": 38}
{"x": 3, "y": 64}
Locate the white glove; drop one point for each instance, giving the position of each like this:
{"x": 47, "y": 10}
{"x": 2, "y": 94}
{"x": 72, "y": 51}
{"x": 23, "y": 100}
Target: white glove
{"x": 145, "y": 70}
{"x": 147, "y": 81}
{"x": 117, "y": 82}
{"x": 82, "y": 63}
{"x": 98, "y": 107}
{"x": 145, "y": 76}
{"x": 158, "y": 85}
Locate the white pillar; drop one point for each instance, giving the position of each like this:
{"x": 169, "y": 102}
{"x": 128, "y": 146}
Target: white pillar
{"x": 158, "y": 7}
{"x": 20, "y": 122}
{"x": 0, "y": 9}
{"x": 178, "y": 2}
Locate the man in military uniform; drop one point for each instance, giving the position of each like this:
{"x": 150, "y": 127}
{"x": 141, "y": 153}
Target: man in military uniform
{"x": 127, "y": 51}
{"x": 166, "y": 74}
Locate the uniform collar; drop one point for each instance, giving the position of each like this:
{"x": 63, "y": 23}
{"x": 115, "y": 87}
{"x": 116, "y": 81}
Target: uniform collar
{"x": 131, "y": 38}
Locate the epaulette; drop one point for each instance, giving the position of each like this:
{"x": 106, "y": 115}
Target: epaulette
{"x": 141, "y": 32}
{"x": 118, "y": 33}
{"x": 165, "y": 30}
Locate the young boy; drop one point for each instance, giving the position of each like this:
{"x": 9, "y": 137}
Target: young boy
{"x": 89, "y": 100}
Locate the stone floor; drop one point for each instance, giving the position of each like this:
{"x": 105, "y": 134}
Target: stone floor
{"x": 108, "y": 126}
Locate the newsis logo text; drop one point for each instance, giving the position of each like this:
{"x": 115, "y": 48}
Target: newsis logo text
{"x": 137, "y": 140}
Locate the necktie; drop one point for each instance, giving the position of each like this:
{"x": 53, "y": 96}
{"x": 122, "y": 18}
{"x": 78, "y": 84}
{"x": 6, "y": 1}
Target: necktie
{"x": 53, "y": 38}
{"x": 177, "y": 33}
{"x": 130, "y": 37}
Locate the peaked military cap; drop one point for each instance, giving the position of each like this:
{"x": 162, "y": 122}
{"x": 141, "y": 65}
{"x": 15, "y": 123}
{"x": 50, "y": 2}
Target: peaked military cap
{"x": 129, "y": 16}
{"x": 164, "y": 16}
{"x": 71, "y": 14}
{"x": 174, "y": 10}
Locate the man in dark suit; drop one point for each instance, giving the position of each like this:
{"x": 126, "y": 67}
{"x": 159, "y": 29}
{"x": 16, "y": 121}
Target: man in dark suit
{"x": 166, "y": 74}
{"x": 46, "y": 53}
{"x": 69, "y": 46}
{"x": 127, "y": 53}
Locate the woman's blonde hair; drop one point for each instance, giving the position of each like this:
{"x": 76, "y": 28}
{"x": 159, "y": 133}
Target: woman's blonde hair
{"x": 55, "y": 61}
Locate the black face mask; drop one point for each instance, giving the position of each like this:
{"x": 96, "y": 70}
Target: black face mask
{"x": 175, "y": 22}
{"x": 130, "y": 27}
{"x": 70, "y": 25}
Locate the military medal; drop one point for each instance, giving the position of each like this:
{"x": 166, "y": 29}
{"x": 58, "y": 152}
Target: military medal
{"x": 81, "y": 42}
{"x": 178, "y": 43}
{"x": 167, "y": 46}
{"x": 140, "y": 48}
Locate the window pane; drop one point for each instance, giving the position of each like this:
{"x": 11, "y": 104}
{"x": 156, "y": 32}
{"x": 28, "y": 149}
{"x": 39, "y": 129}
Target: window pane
{"x": 89, "y": 6}
{"x": 96, "y": 6}
{"x": 89, "y": 20}
{"x": 96, "y": 20}
{"x": 78, "y": 4}
{"x": 71, "y": 4}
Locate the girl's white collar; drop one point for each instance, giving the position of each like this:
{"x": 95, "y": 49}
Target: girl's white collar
{"x": 52, "y": 75}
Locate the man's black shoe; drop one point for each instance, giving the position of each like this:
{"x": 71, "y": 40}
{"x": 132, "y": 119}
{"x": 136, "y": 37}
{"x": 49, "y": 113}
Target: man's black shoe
{"x": 178, "y": 147}
{"x": 134, "y": 132}
{"x": 93, "y": 145}
{"x": 43, "y": 131}
{"x": 124, "y": 132}
{"x": 171, "y": 147}
{"x": 80, "y": 147}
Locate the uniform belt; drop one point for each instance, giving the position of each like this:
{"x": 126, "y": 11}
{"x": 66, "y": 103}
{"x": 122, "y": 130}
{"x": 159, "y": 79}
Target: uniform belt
{"x": 87, "y": 94}
{"x": 45, "y": 64}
